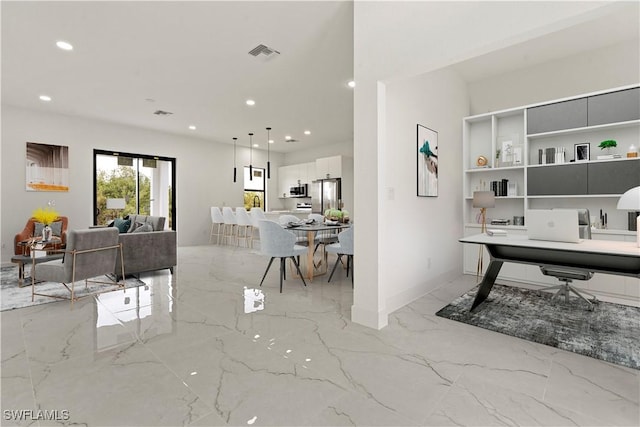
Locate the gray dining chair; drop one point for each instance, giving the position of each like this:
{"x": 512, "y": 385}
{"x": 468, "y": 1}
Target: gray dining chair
{"x": 89, "y": 254}
{"x": 276, "y": 242}
{"x": 343, "y": 247}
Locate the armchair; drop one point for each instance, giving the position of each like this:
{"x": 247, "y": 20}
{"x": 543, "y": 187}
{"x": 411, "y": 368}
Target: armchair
{"x": 89, "y": 253}
{"x": 29, "y": 231}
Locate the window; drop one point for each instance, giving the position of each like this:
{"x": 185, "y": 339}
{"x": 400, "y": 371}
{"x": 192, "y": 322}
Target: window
{"x": 146, "y": 184}
{"x": 254, "y": 189}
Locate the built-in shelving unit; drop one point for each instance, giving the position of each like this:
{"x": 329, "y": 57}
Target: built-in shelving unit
{"x": 526, "y": 130}
{"x": 510, "y": 141}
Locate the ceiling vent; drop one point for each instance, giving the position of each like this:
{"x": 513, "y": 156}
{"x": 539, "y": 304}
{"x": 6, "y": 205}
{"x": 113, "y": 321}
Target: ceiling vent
{"x": 291, "y": 140}
{"x": 263, "y": 50}
{"x": 162, "y": 113}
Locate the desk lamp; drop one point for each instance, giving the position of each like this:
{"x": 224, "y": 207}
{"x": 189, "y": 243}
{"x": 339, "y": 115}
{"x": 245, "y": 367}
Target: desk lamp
{"x": 630, "y": 201}
{"x": 116, "y": 204}
{"x": 483, "y": 200}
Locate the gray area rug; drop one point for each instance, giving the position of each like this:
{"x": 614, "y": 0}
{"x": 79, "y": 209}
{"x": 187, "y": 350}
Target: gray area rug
{"x": 12, "y": 296}
{"x": 611, "y": 332}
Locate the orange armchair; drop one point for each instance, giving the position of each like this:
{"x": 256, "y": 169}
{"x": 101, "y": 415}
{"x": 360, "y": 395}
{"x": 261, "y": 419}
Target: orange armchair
{"x": 28, "y": 230}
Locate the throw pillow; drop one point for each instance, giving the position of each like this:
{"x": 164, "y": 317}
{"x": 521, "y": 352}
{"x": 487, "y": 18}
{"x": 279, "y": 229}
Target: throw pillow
{"x": 134, "y": 226}
{"x": 143, "y": 228}
{"x": 56, "y": 228}
{"x": 122, "y": 224}
{"x": 37, "y": 229}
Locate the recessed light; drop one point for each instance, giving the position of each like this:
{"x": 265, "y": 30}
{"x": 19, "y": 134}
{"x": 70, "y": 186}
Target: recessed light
{"x": 45, "y": 98}
{"x": 288, "y": 137}
{"x": 251, "y": 102}
{"x": 351, "y": 84}
{"x": 64, "y": 45}
{"x": 192, "y": 127}
{"x": 256, "y": 145}
{"x": 271, "y": 141}
{"x": 307, "y": 132}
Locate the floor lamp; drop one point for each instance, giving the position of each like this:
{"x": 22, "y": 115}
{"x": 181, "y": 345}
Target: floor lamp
{"x": 630, "y": 201}
{"x": 116, "y": 204}
{"x": 483, "y": 200}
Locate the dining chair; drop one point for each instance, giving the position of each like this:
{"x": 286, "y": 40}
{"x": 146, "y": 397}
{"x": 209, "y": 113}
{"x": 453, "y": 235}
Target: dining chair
{"x": 284, "y": 220}
{"x": 89, "y": 254}
{"x": 244, "y": 226}
{"x": 277, "y": 242}
{"x": 217, "y": 224}
{"x": 324, "y": 237}
{"x": 230, "y": 224}
{"x": 256, "y": 214}
{"x": 343, "y": 247}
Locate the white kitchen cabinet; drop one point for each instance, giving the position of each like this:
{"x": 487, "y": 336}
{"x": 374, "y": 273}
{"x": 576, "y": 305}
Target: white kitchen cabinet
{"x": 328, "y": 167}
{"x": 287, "y": 178}
{"x": 293, "y": 175}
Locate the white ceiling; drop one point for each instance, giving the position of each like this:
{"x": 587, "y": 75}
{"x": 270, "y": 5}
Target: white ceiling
{"x": 190, "y": 58}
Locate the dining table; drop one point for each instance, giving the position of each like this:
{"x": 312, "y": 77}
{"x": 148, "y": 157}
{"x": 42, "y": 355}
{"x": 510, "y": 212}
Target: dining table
{"x": 311, "y": 230}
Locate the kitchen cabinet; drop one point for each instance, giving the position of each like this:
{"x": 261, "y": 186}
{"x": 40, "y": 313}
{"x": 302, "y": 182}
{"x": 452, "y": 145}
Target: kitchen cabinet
{"x": 292, "y": 175}
{"x": 328, "y": 167}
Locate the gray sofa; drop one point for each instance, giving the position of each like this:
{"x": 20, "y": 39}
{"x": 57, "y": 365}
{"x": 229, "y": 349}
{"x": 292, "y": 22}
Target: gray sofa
{"x": 147, "y": 251}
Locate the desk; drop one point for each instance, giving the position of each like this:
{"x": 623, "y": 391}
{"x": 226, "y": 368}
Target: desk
{"x": 311, "y": 230}
{"x": 599, "y": 256}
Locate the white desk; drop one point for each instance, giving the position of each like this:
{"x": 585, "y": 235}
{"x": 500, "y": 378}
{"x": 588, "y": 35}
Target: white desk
{"x": 600, "y": 256}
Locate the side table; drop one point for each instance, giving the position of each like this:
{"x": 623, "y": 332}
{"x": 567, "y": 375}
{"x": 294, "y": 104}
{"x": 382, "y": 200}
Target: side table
{"x": 27, "y": 258}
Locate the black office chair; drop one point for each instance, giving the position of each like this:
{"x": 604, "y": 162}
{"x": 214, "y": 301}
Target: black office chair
{"x": 567, "y": 275}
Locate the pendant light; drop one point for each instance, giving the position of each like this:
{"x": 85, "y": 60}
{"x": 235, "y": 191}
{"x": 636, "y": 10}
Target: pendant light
{"x": 268, "y": 154}
{"x": 234, "y": 159}
{"x": 250, "y": 156}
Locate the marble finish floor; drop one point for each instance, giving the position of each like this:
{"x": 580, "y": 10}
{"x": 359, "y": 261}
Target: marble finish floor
{"x": 181, "y": 351}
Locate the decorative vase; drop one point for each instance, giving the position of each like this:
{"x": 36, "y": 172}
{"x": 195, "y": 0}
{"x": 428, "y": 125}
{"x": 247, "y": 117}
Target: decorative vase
{"x": 46, "y": 233}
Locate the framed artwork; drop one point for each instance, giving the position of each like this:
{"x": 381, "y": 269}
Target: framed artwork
{"x": 427, "y": 153}
{"x": 581, "y": 152}
{"x": 47, "y": 167}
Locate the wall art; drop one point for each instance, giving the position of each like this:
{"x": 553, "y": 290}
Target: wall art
{"x": 47, "y": 167}
{"x": 427, "y": 153}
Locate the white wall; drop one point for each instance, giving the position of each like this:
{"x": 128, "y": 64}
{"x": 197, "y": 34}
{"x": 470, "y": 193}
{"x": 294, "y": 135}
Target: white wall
{"x": 204, "y": 171}
{"x": 419, "y": 234}
{"x": 599, "y": 69}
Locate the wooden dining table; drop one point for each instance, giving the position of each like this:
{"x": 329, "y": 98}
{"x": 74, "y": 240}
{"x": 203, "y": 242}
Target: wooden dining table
{"x": 312, "y": 230}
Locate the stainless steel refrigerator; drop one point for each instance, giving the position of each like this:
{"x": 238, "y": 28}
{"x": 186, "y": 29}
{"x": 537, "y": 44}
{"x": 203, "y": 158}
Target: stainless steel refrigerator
{"x": 325, "y": 194}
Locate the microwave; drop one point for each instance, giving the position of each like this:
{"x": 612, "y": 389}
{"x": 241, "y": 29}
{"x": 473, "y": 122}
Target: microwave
{"x": 299, "y": 191}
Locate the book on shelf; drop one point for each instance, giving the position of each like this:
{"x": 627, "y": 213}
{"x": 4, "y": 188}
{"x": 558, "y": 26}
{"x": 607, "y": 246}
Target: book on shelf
{"x": 609, "y": 156}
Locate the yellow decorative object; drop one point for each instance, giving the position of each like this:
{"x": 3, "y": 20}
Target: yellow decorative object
{"x": 482, "y": 161}
{"x": 45, "y": 215}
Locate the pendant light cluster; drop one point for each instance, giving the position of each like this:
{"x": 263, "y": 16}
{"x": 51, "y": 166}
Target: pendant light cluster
{"x": 251, "y": 156}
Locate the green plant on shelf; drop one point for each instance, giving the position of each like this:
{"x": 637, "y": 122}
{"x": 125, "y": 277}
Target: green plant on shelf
{"x": 608, "y": 144}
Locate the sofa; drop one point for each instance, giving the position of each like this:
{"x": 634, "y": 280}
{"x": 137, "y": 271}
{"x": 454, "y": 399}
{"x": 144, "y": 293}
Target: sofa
{"x": 147, "y": 250}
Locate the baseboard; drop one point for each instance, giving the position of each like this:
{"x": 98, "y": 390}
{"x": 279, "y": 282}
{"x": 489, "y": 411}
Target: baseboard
{"x": 368, "y": 318}
{"x": 403, "y": 298}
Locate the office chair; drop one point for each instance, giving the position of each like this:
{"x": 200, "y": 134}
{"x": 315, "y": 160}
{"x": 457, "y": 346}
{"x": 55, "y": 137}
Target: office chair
{"x": 566, "y": 275}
